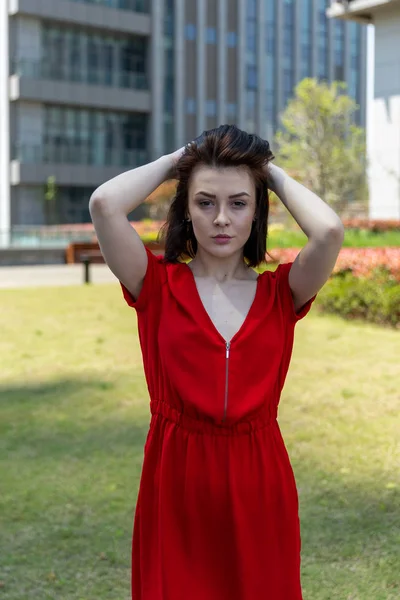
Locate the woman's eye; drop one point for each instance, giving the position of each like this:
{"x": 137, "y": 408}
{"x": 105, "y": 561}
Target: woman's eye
{"x": 238, "y": 204}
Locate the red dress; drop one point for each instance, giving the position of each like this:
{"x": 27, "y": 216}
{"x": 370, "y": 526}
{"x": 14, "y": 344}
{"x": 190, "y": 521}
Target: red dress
{"x": 217, "y": 509}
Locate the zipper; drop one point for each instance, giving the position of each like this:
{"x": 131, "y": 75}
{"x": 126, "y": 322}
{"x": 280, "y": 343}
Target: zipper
{"x": 228, "y": 347}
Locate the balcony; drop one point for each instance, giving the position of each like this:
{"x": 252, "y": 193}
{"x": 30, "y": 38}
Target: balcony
{"x": 361, "y": 11}
{"x": 105, "y": 16}
{"x": 135, "y": 5}
{"x": 81, "y": 163}
{"x": 46, "y": 69}
{"x": 42, "y": 81}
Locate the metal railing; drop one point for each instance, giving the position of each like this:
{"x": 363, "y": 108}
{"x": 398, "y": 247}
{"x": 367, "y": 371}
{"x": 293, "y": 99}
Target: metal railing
{"x": 135, "y": 5}
{"x": 44, "y": 68}
{"x": 37, "y": 236}
{"x": 77, "y": 152}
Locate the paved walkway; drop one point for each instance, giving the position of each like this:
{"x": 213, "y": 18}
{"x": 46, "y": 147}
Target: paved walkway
{"x": 52, "y": 275}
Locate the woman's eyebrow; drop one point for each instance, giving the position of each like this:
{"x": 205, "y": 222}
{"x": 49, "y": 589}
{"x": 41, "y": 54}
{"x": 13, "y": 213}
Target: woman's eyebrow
{"x": 213, "y": 195}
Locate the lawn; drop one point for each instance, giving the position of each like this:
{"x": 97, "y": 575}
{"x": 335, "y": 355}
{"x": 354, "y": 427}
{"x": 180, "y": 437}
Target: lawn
{"x": 294, "y": 237}
{"x": 73, "y": 420}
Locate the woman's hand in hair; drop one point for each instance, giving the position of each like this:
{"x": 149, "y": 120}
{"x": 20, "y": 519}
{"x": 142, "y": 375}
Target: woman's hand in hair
{"x": 174, "y": 159}
{"x": 274, "y": 174}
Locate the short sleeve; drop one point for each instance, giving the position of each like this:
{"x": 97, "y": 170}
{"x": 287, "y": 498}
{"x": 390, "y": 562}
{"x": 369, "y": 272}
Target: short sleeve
{"x": 151, "y": 288}
{"x": 285, "y": 294}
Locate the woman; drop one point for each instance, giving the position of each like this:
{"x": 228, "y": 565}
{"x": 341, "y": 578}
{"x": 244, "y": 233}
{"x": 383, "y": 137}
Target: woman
{"x": 217, "y": 510}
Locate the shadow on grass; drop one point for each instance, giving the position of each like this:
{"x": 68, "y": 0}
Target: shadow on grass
{"x": 363, "y": 510}
{"x": 343, "y": 521}
{"x": 70, "y": 417}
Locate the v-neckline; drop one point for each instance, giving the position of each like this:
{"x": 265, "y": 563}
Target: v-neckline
{"x": 207, "y": 316}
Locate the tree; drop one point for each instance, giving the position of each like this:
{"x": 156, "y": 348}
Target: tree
{"x": 160, "y": 200}
{"x": 321, "y": 146}
{"x": 50, "y": 197}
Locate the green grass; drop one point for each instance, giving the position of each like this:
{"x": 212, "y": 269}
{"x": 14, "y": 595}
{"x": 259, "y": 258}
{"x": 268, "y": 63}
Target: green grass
{"x": 288, "y": 238}
{"x": 73, "y": 420}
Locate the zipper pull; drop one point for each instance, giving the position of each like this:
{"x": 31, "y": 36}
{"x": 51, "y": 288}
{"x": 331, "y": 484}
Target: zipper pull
{"x": 228, "y": 346}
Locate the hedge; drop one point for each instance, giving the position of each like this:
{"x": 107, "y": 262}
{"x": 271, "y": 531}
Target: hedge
{"x": 375, "y": 298}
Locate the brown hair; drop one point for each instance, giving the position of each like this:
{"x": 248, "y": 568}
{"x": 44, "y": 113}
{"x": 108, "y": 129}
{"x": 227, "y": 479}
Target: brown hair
{"x": 225, "y": 146}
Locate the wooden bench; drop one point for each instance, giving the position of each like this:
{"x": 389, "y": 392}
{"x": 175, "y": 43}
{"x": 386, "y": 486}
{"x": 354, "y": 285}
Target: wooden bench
{"x": 85, "y": 253}
{"x": 86, "y": 258}
{"x": 88, "y": 253}
{"x": 74, "y": 252}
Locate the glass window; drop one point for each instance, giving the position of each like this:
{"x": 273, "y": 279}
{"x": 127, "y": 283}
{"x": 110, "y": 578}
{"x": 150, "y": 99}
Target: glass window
{"x": 169, "y": 74}
{"x": 305, "y": 51}
{"x": 108, "y": 63}
{"x": 306, "y": 15}
{"x": 76, "y": 55}
{"x": 74, "y": 59}
{"x": 322, "y": 66}
{"x": 132, "y": 63}
{"x": 339, "y": 73}
{"x": 251, "y": 77}
{"x": 56, "y": 53}
{"x": 231, "y": 110}
{"x": 251, "y": 58}
{"x": 191, "y": 106}
{"x": 252, "y": 9}
{"x": 354, "y": 60}
{"x": 270, "y": 107}
{"x": 270, "y": 38}
{"x": 231, "y": 39}
{"x": 287, "y": 81}
{"x": 211, "y": 108}
{"x": 169, "y": 62}
{"x": 135, "y": 5}
{"x": 190, "y": 31}
{"x": 288, "y": 12}
{"x": 251, "y": 126}
{"x": 211, "y": 35}
{"x": 169, "y": 23}
{"x": 93, "y": 60}
{"x": 74, "y": 202}
{"x": 94, "y": 137}
{"x": 251, "y": 101}
{"x": 288, "y": 48}
{"x": 251, "y": 33}
{"x": 169, "y": 94}
{"x": 288, "y": 29}
{"x": 338, "y": 54}
{"x": 169, "y": 134}
{"x": 269, "y": 79}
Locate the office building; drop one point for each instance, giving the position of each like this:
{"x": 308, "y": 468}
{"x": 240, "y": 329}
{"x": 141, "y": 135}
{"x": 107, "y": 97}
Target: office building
{"x": 90, "y": 88}
{"x": 383, "y": 122}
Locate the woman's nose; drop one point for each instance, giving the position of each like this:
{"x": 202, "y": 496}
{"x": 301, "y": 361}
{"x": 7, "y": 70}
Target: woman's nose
{"x": 221, "y": 217}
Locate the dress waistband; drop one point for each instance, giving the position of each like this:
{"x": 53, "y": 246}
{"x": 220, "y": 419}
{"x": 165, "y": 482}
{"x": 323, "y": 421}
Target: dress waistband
{"x": 245, "y": 426}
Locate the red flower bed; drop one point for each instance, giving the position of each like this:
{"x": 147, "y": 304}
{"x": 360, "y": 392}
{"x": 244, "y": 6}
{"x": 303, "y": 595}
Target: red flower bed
{"x": 361, "y": 261}
{"x": 372, "y": 224}
{"x": 143, "y": 228}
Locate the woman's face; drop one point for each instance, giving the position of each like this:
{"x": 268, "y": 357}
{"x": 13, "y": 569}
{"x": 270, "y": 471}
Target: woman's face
{"x": 221, "y": 201}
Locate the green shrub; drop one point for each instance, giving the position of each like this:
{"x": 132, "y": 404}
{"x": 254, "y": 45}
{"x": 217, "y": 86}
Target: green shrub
{"x": 375, "y": 299}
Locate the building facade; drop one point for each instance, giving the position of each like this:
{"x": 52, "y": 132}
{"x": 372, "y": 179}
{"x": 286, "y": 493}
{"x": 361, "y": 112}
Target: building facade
{"x": 91, "y": 88}
{"x": 383, "y": 119}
